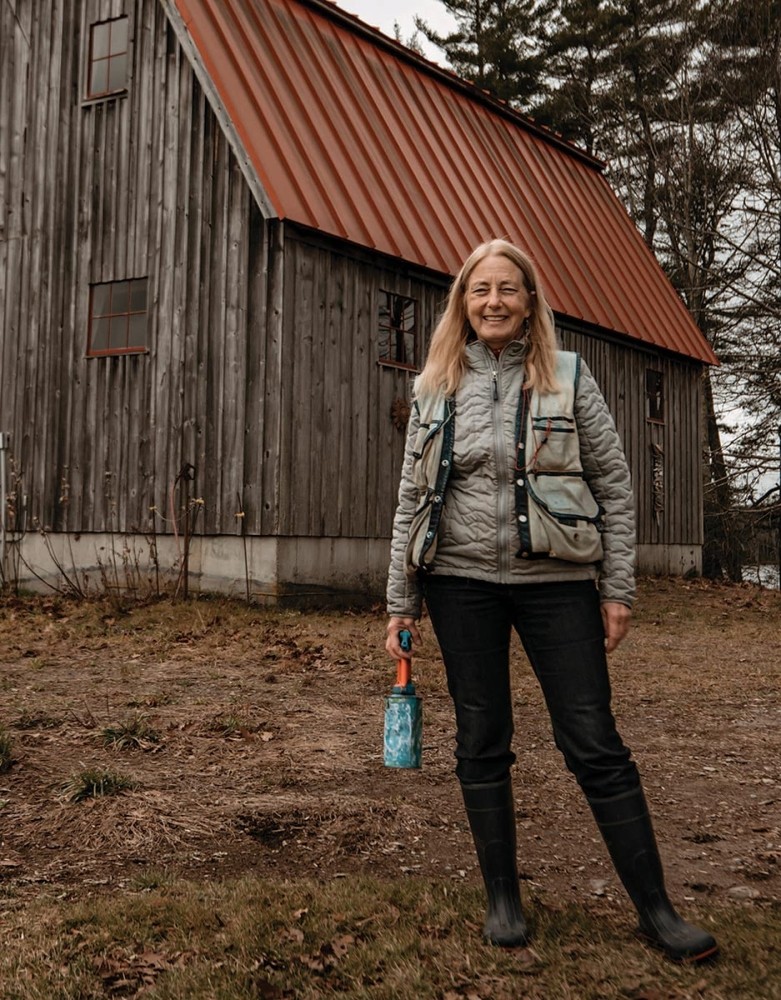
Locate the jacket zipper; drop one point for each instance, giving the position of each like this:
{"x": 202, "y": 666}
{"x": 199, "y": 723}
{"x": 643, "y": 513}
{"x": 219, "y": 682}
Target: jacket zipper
{"x": 500, "y": 460}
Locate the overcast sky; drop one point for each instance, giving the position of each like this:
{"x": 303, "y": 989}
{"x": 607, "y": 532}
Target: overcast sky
{"x": 381, "y": 14}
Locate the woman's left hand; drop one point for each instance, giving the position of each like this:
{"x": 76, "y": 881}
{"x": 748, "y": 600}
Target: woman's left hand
{"x": 395, "y": 625}
{"x": 615, "y": 618}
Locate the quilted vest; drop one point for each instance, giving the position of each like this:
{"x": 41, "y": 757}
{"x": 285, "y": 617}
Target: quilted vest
{"x": 557, "y": 515}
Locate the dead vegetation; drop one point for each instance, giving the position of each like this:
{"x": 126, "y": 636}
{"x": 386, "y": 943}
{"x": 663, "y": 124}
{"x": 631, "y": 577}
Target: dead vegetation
{"x": 251, "y": 741}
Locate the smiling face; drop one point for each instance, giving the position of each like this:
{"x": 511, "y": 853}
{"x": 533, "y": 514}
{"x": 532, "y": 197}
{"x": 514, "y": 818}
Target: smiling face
{"x": 496, "y": 301}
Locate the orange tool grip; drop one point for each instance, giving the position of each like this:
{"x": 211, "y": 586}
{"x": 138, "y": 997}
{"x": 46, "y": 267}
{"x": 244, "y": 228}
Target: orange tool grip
{"x": 403, "y": 672}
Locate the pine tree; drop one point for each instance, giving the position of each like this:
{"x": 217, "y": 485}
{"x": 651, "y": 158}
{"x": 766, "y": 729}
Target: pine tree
{"x": 413, "y": 42}
{"x": 495, "y": 45}
{"x": 577, "y": 41}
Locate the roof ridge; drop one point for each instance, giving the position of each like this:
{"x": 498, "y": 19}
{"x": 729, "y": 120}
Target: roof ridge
{"x": 331, "y": 9}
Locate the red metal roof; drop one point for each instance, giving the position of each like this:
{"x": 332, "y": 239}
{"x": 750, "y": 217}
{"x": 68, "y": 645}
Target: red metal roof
{"x": 352, "y": 134}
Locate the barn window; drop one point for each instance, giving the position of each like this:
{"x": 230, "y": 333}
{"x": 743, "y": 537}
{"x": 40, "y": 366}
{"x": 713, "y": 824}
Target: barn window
{"x": 654, "y": 395}
{"x": 398, "y": 330}
{"x": 108, "y": 58}
{"x": 118, "y": 318}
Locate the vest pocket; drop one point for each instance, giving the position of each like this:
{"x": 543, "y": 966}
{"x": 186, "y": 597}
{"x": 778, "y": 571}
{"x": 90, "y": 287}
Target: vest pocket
{"x": 552, "y": 439}
{"x": 565, "y": 519}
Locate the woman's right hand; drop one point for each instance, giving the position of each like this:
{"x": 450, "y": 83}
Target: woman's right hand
{"x": 392, "y": 645}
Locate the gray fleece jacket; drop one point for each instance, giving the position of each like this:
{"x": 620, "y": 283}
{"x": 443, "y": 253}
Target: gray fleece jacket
{"x": 478, "y": 535}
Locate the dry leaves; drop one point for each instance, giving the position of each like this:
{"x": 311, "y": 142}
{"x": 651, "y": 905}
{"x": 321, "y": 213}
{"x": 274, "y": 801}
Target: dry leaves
{"x": 132, "y": 975}
{"x": 324, "y": 960}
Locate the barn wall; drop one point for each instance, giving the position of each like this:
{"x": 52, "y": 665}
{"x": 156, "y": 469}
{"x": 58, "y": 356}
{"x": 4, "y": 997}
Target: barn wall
{"x": 664, "y": 457}
{"x": 133, "y": 186}
{"x": 341, "y": 451}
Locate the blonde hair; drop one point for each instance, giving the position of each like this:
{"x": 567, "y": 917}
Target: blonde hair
{"x": 446, "y": 360}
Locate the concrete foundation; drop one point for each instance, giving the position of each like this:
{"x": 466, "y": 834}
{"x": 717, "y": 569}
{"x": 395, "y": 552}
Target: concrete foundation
{"x": 271, "y": 570}
{"x": 669, "y": 560}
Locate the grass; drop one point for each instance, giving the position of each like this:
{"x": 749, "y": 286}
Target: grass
{"x": 152, "y": 878}
{"x": 6, "y": 746}
{"x": 134, "y": 734}
{"x": 94, "y": 898}
{"x": 91, "y": 783}
{"x": 358, "y": 938}
{"x": 150, "y": 701}
{"x": 231, "y": 726}
{"x": 37, "y": 720}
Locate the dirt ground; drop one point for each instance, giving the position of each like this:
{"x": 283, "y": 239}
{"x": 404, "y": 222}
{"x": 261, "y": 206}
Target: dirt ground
{"x": 263, "y": 749}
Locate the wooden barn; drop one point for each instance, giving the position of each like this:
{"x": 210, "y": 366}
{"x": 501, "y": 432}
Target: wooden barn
{"x": 226, "y": 229}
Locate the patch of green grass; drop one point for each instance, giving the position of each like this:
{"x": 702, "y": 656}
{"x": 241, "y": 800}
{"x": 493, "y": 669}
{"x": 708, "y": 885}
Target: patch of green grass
{"x": 6, "y": 747}
{"x": 150, "y": 701}
{"x": 91, "y": 783}
{"x": 357, "y": 939}
{"x": 231, "y": 726}
{"x": 36, "y": 720}
{"x": 133, "y": 734}
{"x": 152, "y": 878}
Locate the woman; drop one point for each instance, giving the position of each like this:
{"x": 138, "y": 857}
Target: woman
{"x": 515, "y": 511}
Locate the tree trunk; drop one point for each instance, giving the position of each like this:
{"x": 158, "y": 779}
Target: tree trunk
{"x": 721, "y": 552}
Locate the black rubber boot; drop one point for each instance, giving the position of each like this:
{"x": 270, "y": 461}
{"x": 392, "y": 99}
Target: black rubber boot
{"x": 492, "y": 821}
{"x": 625, "y": 824}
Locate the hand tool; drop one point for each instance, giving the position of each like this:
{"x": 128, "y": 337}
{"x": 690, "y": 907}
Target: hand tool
{"x": 403, "y": 743}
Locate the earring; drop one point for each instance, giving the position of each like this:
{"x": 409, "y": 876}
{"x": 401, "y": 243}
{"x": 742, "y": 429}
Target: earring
{"x": 525, "y": 326}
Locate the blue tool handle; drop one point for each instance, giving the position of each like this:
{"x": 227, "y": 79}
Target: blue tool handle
{"x": 405, "y": 640}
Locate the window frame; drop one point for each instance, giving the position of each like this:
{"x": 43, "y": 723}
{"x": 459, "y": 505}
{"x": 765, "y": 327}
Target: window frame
{"x": 91, "y": 96}
{"x": 111, "y": 352}
{"x": 654, "y": 398}
{"x": 395, "y": 331}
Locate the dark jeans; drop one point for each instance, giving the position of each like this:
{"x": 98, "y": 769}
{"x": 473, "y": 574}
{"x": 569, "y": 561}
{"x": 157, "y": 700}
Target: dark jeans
{"x": 560, "y": 626}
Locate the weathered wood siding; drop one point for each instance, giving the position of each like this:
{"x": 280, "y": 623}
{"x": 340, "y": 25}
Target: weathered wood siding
{"x": 620, "y": 371}
{"x": 341, "y": 453}
{"x": 138, "y": 185}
